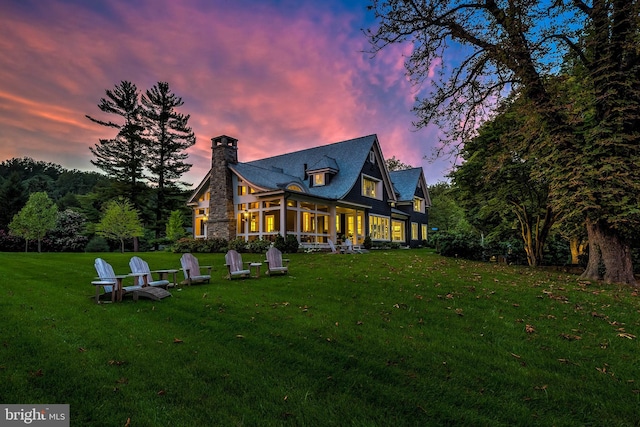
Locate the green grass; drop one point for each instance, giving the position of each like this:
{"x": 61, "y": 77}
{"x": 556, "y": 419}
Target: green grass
{"x": 392, "y": 338}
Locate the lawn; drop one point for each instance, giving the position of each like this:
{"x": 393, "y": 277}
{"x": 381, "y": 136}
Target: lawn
{"x": 394, "y": 338}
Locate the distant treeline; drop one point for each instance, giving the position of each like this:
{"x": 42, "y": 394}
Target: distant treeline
{"x": 79, "y": 191}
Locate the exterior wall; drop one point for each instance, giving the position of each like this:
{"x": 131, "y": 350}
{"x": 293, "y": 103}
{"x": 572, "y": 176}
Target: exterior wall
{"x": 222, "y": 224}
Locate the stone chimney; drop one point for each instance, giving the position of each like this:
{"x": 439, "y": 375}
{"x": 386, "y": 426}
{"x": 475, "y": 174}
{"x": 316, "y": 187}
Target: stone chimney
{"x": 222, "y": 222}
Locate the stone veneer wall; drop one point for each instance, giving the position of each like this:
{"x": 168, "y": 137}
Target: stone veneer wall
{"x": 222, "y": 223}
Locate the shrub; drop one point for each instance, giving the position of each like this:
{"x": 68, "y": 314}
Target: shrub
{"x": 463, "y": 245}
{"x": 367, "y": 243}
{"x": 279, "y": 243}
{"x": 259, "y": 246}
{"x": 238, "y": 244}
{"x": 189, "y": 244}
{"x": 97, "y": 244}
{"x": 291, "y": 244}
{"x": 10, "y": 243}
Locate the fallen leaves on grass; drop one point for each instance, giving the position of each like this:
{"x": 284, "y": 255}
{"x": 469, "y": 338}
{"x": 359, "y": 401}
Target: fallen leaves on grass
{"x": 529, "y": 329}
{"x": 116, "y": 362}
{"x": 177, "y": 341}
{"x": 570, "y": 337}
{"x": 626, "y": 335}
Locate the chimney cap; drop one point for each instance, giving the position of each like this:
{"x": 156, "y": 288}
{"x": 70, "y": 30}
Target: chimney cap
{"x": 224, "y": 140}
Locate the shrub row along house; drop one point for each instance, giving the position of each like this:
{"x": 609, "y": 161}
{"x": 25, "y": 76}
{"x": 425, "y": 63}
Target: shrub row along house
{"x": 336, "y": 191}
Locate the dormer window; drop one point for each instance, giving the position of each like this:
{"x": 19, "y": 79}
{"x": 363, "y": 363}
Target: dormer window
{"x": 318, "y": 179}
{"x": 371, "y": 187}
{"x": 418, "y": 204}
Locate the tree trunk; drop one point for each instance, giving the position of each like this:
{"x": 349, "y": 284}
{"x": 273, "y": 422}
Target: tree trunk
{"x": 608, "y": 252}
{"x": 577, "y": 247}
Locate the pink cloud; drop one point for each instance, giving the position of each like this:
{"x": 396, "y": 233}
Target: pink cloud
{"x": 278, "y": 80}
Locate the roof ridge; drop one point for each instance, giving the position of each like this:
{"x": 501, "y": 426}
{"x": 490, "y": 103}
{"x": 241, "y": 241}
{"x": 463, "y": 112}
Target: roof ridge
{"x": 316, "y": 148}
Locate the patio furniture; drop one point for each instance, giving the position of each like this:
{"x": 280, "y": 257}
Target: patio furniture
{"x": 140, "y": 266}
{"x": 274, "y": 262}
{"x": 233, "y": 261}
{"x": 191, "y": 268}
{"x": 110, "y": 281}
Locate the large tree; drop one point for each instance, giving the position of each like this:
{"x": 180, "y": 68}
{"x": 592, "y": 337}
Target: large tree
{"x": 35, "y": 219}
{"x": 590, "y": 161}
{"x": 123, "y": 157}
{"x": 496, "y": 181}
{"x": 168, "y": 138}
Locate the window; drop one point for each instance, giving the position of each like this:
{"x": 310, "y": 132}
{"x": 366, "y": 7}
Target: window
{"x": 414, "y": 231}
{"x": 378, "y": 227}
{"x": 318, "y": 179}
{"x": 397, "y": 233}
{"x": 242, "y": 190}
{"x": 270, "y": 223}
{"x": 294, "y": 187}
{"x": 424, "y": 231}
{"x": 371, "y": 188}
{"x": 417, "y": 204}
{"x": 372, "y": 156}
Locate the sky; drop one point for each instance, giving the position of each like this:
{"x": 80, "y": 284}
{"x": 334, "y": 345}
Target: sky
{"x": 278, "y": 75}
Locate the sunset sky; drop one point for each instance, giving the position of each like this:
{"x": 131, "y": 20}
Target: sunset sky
{"x": 279, "y": 75}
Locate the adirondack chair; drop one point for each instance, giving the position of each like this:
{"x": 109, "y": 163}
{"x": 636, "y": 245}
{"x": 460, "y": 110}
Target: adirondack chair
{"x": 191, "y": 268}
{"x": 144, "y": 278}
{"x": 348, "y": 247}
{"x": 333, "y": 247}
{"x": 110, "y": 281}
{"x": 233, "y": 260}
{"x": 274, "y": 262}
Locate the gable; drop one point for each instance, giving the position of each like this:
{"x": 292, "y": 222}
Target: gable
{"x": 343, "y": 161}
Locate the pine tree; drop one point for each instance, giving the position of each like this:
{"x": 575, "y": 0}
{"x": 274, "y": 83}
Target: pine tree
{"x": 122, "y": 158}
{"x": 169, "y": 136}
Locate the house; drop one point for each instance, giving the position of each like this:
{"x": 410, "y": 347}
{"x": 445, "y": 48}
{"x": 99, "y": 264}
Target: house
{"x": 335, "y": 191}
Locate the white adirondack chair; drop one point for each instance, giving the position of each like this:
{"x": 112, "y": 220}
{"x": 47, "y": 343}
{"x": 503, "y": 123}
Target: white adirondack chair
{"x": 191, "y": 268}
{"x": 110, "y": 281}
{"x": 140, "y": 268}
{"x": 274, "y": 262}
{"x": 233, "y": 260}
{"x": 333, "y": 247}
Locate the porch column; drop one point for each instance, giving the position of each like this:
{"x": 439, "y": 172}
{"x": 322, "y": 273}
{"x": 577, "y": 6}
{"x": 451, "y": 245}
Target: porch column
{"x": 283, "y": 216}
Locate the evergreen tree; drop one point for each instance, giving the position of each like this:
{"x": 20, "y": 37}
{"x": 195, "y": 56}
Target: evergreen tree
{"x": 13, "y": 197}
{"x": 169, "y": 136}
{"x": 122, "y": 158}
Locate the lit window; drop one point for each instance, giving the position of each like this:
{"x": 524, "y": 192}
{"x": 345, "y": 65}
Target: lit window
{"x": 378, "y": 227}
{"x": 242, "y": 190}
{"x": 424, "y": 231}
{"x": 318, "y": 179}
{"x": 294, "y": 187}
{"x": 414, "y": 231}
{"x": 417, "y": 204}
{"x": 370, "y": 188}
{"x": 397, "y": 231}
{"x": 270, "y": 223}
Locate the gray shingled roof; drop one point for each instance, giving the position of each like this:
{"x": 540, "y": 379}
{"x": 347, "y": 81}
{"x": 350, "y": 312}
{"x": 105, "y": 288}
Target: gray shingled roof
{"x": 277, "y": 172}
{"x": 405, "y": 182}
